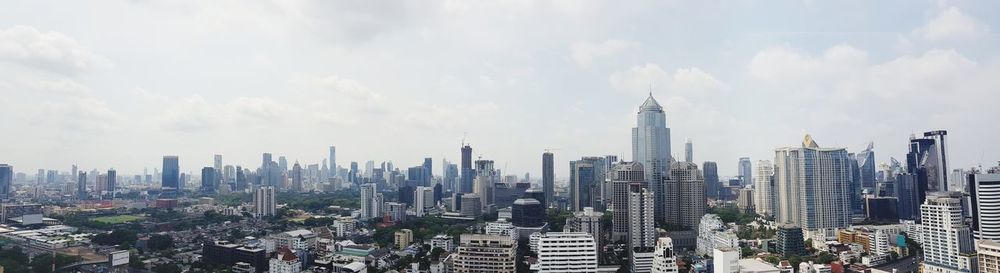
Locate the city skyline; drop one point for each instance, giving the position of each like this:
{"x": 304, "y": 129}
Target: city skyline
{"x": 99, "y": 104}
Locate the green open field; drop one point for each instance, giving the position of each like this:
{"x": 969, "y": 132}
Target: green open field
{"x": 118, "y": 219}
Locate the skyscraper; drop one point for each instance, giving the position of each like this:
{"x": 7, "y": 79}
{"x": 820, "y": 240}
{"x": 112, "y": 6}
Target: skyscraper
{"x": 6, "y": 180}
{"x": 567, "y": 252}
{"x": 688, "y": 151}
{"x": 428, "y": 171}
{"x": 651, "y": 149}
{"x": 369, "y": 206}
{"x": 685, "y": 195}
{"x": 984, "y": 197}
{"x": 208, "y": 180}
{"x": 947, "y": 243}
{"x": 467, "y": 174}
{"x": 218, "y": 164}
{"x": 664, "y": 259}
{"x": 264, "y": 202}
{"x": 333, "y": 161}
{"x": 812, "y": 186}
{"x": 711, "y": 170}
{"x": 745, "y": 172}
{"x": 81, "y": 185}
{"x": 642, "y": 229}
{"x": 927, "y": 161}
{"x": 625, "y": 177}
{"x": 583, "y": 185}
{"x": 297, "y": 177}
{"x": 171, "y": 174}
{"x": 866, "y": 165}
{"x": 764, "y": 190}
{"x": 548, "y": 177}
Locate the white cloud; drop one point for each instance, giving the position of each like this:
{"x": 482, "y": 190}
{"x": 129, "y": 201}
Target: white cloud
{"x": 782, "y": 64}
{"x": 690, "y": 80}
{"x": 694, "y": 79}
{"x": 585, "y": 53}
{"x": 951, "y": 23}
{"x": 639, "y": 78}
{"x": 51, "y": 51}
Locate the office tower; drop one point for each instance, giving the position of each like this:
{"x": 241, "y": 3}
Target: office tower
{"x": 6, "y": 180}
{"x": 711, "y": 173}
{"x": 854, "y": 188}
{"x": 395, "y": 211}
{"x": 467, "y": 174}
{"x": 416, "y": 175}
{"x": 241, "y": 179}
{"x": 989, "y": 256}
{"x": 947, "y": 241}
{"x": 908, "y": 196}
{"x": 486, "y": 176}
{"x": 450, "y": 176}
{"x": 745, "y": 171}
{"x": 81, "y": 185}
{"x": 745, "y": 200}
{"x": 688, "y": 151}
{"x": 369, "y": 169}
{"x": 984, "y": 200}
{"x": 567, "y": 252}
{"x": 548, "y": 177}
{"x": 333, "y": 161}
{"x": 264, "y": 202}
{"x": 171, "y": 176}
{"x": 927, "y": 160}
{"x": 218, "y": 164}
{"x": 664, "y": 259}
{"x": 208, "y": 180}
{"x": 527, "y": 212}
{"x": 112, "y": 183}
{"x": 470, "y": 205}
{"x": 583, "y": 184}
{"x": 282, "y": 164}
{"x": 40, "y": 177}
{"x": 764, "y": 190}
{"x": 642, "y": 229}
{"x": 296, "y": 177}
{"x": 101, "y": 185}
{"x": 866, "y": 165}
{"x": 423, "y": 199}
{"x": 812, "y": 186}
{"x": 369, "y": 209}
{"x": 479, "y": 253}
{"x": 651, "y": 149}
{"x": 685, "y": 195}
{"x": 625, "y": 177}
{"x": 428, "y": 170}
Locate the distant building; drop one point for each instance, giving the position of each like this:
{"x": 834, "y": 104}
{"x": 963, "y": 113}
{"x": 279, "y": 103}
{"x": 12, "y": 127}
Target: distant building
{"x": 171, "y": 174}
{"x": 471, "y": 205}
{"x": 264, "y": 201}
{"x": 625, "y": 178}
{"x": 790, "y": 241}
{"x": 369, "y": 206}
{"x": 587, "y": 221}
{"x": 642, "y": 230}
{"x": 527, "y": 212}
{"x": 651, "y": 149}
{"x": 764, "y": 190}
{"x": 745, "y": 172}
{"x": 225, "y": 253}
{"x": 685, "y": 195}
{"x": 548, "y": 178}
{"x": 745, "y": 200}
{"x": 6, "y": 180}
{"x": 208, "y": 179}
{"x": 712, "y": 186}
{"x": 726, "y": 260}
{"x": 712, "y": 234}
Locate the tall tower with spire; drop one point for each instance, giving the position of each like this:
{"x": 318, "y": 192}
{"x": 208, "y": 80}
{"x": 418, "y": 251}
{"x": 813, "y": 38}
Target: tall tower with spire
{"x": 651, "y": 148}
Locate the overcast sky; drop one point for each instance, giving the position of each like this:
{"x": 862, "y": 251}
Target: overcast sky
{"x": 121, "y": 83}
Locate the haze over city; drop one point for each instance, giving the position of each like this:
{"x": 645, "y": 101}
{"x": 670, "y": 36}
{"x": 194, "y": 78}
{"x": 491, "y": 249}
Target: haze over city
{"x": 122, "y": 83}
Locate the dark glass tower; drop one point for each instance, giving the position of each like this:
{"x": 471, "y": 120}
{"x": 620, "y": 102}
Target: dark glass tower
{"x": 467, "y": 174}
{"x": 527, "y": 212}
{"x": 548, "y": 178}
{"x": 711, "y": 170}
{"x": 6, "y": 179}
{"x": 170, "y": 180}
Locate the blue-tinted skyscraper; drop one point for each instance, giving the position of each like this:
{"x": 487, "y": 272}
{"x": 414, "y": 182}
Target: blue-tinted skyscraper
{"x": 866, "y": 166}
{"x": 712, "y": 186}
{"x": 171, "y": 174}
{"x": 467, "y": 174}
{"x": 651, "y": 148}
{"x": 548, "y": 178}
{"x": 428, "y": 171}
{"x": 582, "y": 184}
{"x": 745, "y": 172}
{"x": 6, "y": 179}
{"x": 333, "y": 161}
{"x": 208, "y": 179}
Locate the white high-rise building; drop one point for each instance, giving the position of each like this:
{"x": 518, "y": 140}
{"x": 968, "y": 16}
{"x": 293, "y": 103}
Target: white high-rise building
{"x": 651, "y": 148}
{"x": 264, "y": 201}
{"x": 625, "y": 177}
{"x": 424, "y": 199}
{"x": 763, "y": 181}
{"x": 567, "y": 252}
{"x": 369, "y": 206}
{"x": 947, "y": 241}
{"x": 712, "y": 234}
{"x": 726, "y": 260}
{"x": 688, "y": 151}
{"x": 984, "y": 198}
{"x": 664, "y": 259}
{"x": 642, "y": 230}
{"x": 586, "y": 221}
{"x": 812, "y": 186}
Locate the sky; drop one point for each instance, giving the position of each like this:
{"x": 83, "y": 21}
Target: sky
{"x": 119, "y": 84}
